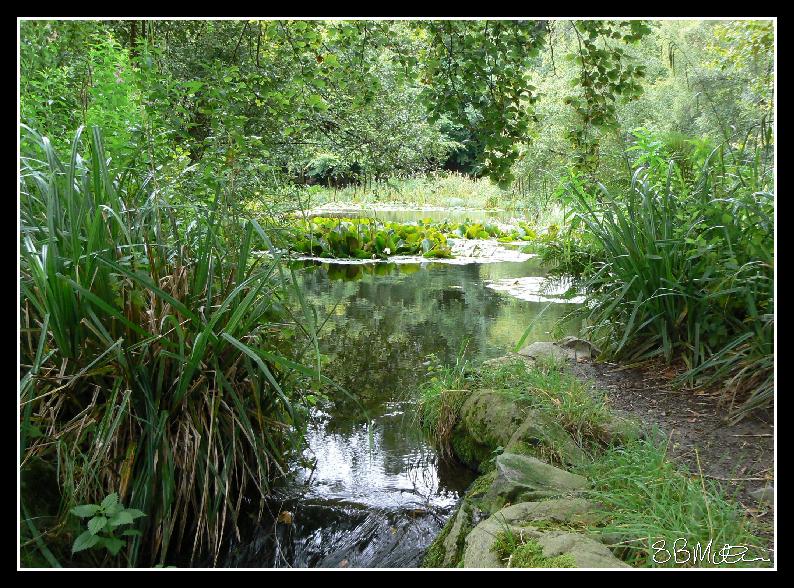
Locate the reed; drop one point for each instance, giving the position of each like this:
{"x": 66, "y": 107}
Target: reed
{"x": 150, "y": 350}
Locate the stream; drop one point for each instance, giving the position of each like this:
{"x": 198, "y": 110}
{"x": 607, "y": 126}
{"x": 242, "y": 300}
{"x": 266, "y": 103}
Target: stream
{"x": 369, "y": 489}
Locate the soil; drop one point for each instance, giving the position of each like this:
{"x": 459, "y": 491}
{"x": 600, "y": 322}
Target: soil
{"x": 739, "y": 457}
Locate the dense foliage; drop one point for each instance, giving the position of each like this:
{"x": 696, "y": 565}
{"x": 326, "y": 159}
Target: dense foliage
{"x": 167, "y": 355}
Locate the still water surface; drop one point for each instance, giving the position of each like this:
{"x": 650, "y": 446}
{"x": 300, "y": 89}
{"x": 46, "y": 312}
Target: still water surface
{"x": 371, "y": 491}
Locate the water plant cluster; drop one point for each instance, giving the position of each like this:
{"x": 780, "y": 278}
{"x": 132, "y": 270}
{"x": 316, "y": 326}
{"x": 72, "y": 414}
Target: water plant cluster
{"x": 370, "y": 238}
{"x": 365, "y": 238}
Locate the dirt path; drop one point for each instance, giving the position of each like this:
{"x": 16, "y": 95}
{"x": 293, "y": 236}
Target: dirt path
{"x": 739, "y": 457}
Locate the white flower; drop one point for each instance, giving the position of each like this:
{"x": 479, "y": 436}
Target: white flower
{"x": 387, "y": 251}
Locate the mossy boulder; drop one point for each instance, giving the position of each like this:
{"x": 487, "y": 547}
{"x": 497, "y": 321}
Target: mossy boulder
{"x": 581, "y": 347}
{"x": 508, "y": 360}
{"x": 491, "y": 417}
{"x": 522, "y": 478}
{"x": 488, "y": 419}
{"x": 540, "y": 524}
{"x": 543, "y": 437}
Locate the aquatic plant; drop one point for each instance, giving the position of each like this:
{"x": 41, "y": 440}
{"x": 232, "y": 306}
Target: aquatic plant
{"x": 365, "y": 238}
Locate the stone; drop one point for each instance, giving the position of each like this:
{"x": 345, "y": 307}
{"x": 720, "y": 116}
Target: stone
{"x": 523, "y": 520}
{"x": 508, "y": 359}
{"x": 581, "y": 347}
{"x": 541, "y": 349}
{"x": 454, "y": 540}
{"x": 586, "y": 552}
{"x": 765, "y": 494}
{"x": 490, "y": 418}
{"x": 522, "y": 478}
{"x": 542, "y": 435}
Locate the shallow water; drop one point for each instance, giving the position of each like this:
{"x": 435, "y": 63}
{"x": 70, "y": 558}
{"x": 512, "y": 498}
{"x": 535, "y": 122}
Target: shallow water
{"x": 372, "y": 492}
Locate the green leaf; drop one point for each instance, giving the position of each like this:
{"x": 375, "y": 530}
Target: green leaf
{"x": 134, "y": 513}
{"x": 112, "y": 544}
{"x": 85, "y": 541}
{"x": 85, "y": 510}
{"x": 110, "y": 501}
{"x": 96, "y": 524}
{"x": 122, "y": 518}
{"x": 131, "y": 533}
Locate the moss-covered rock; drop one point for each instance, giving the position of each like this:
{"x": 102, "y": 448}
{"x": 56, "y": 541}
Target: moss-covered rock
{"x": 540, "y": 435}
{"x": 537, "y": 524}
{"x": 522, "y": 478}
{"x": 541, "y": 350}
{"x": 491, "y": 417}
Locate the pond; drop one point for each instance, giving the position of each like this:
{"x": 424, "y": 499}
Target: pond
{"x": 369, "y": 490}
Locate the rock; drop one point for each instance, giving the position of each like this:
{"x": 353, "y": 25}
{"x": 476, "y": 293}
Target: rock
{"x": 765, "y": 494}
{"x": 507, "y": 360}
{"x": 586, "y": 552}
{"x": 541, "y": 435}
{"x": 541, "y": 349}
{"x": 581, "y": 347}
{"x": 454, "y": 541}
{"x": 478, "y": 552}
{"x": 489, "y": 418}
{"x": 521, "y": 478}
{"x": 519, "y": 519}
{"x": 559, "y": 509}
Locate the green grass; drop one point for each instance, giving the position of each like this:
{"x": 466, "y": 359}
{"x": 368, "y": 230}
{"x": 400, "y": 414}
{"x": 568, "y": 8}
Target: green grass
{"x": 151, "y": 358}
{"x": 447, "y": 189}
{"x": 645, "y": 498}
{"x": 440, "y": 400}
{"x": 550, "y": 387}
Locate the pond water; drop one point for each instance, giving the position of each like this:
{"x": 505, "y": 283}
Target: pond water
{"x": 370, "y": 491}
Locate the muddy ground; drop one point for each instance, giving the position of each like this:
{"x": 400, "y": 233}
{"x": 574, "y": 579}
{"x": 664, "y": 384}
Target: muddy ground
{"x": 739, "y": 457}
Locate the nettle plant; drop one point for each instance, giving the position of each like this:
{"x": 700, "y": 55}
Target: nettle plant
{"x": 104, "y": 526}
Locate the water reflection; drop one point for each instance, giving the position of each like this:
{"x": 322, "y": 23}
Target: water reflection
{"x": 372, "y": 491}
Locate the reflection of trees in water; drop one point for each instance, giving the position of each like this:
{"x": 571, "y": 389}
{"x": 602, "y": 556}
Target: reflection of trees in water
{"x": 386, "y": 320}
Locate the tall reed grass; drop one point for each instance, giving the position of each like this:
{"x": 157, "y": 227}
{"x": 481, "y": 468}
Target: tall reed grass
{"x": 150, "y": 355}
{"x": 688, "y": 272}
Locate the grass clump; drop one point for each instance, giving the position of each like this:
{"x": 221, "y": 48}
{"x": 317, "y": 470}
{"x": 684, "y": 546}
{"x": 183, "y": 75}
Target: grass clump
{"x": 687, "y": 271}
{"x": 647, "y": 499}
{"x": 548, "y": 386}
{"x": 441, "y": 398}
{"x": 518, "y": 552}
{"x": 152, "y": 366}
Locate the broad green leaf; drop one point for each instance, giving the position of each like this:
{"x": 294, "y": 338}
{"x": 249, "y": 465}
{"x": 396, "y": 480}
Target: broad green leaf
{"x": 96, "y": 524}
{"x": 85, "y": 541}
{"x": 85, "y": 510}
{"x": 110, "y": 501}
